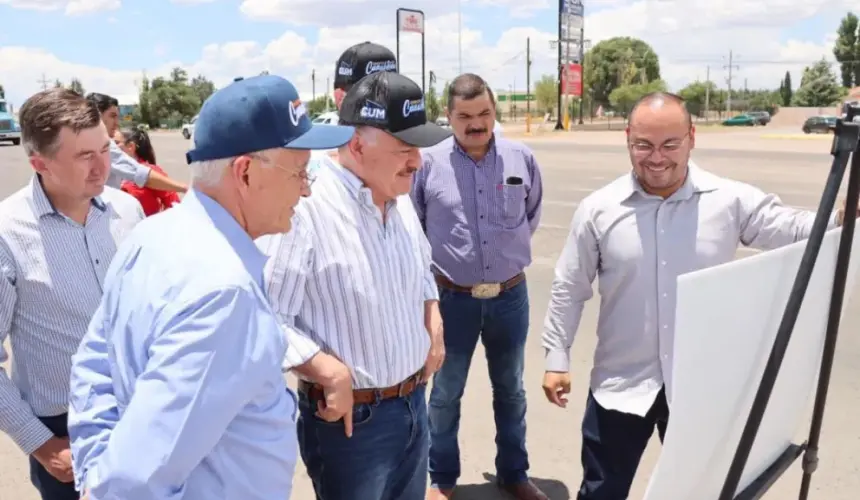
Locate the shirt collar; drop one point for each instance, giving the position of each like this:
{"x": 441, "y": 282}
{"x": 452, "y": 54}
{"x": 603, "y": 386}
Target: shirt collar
{"x": 250, "y": 255}
{"x": 489, "y": 157}
{"x": 697, "y": 181}
{"x": 42, "y": 205}
{"x": 354, "y": 185}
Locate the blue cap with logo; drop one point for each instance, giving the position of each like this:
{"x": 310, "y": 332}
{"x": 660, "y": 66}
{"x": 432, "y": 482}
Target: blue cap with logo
{"x": 255, "y": 114}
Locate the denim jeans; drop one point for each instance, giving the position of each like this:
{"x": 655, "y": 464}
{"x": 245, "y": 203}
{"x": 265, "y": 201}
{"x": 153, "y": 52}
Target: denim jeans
{"x": 385, "y": 459}
{"x": 502, "y": 324}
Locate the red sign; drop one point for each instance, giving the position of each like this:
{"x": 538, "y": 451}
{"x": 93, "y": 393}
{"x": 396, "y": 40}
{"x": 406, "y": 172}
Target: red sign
{"x": 571, "y": 81}
{"x": 410, "y": 21}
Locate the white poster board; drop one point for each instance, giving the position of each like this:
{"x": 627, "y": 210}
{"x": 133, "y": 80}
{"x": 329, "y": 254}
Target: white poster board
{"x": 726, "y": 321}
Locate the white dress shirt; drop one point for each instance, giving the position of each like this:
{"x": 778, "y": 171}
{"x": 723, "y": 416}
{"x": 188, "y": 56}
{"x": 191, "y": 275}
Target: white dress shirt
{"x": 638, "y": 244}
{"x": 350, "y": 283}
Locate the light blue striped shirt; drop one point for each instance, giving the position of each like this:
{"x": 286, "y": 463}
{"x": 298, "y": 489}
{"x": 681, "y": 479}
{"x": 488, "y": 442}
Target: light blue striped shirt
{"x": 352, "y": 284}
{"x": 51, "y": 277}
{"x": 177, "y": 390}
{"x": 125, "y": 168}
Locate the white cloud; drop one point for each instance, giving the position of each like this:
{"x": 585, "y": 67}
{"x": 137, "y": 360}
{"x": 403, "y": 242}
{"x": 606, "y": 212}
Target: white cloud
{"x": 690, "y": 36}
{"x": 71, "y": 7}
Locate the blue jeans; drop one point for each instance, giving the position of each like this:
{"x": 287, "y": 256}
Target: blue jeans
{"x": 385, "y": 459}
{"x": 502, "y": 324}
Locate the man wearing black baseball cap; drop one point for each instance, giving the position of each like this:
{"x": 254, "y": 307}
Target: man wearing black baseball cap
{"x": 354, "y": 277}
{"x": 358, "y": 61}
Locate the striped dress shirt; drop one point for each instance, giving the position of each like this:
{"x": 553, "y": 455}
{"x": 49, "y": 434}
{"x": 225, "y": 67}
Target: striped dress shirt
{"x": 351, "y": 283}
{"x": 478, "y": 223}
{"x": 51, "y": 278}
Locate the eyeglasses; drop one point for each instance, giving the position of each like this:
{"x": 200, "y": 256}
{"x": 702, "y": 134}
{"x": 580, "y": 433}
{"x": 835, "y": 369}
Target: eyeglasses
{"x": 644, "y": 149}
{"x": 304, "y": 175}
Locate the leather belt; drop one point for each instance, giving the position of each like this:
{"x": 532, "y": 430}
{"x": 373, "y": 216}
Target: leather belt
{"x": 481, "y": 290}
{"x": 367, "y": 396}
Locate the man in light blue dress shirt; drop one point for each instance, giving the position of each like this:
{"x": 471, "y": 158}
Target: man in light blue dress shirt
{"x": 177, "y": 389}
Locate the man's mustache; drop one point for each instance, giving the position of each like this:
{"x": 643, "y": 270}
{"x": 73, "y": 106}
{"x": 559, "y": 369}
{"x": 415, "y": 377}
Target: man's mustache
{"x": 474, "y": 131}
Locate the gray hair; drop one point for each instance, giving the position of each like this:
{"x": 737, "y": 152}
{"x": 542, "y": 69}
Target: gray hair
{"x": 210, "y": 172}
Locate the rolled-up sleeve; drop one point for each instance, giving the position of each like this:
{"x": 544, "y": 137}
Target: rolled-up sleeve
{"x": 93, "y": 411}
{"x": 16, "y": 417}
{"x": 571, "y": 288}
{"x": 193, "y": 385}
{"x": 290, "y": 256}
{"x": 127, "y": 168}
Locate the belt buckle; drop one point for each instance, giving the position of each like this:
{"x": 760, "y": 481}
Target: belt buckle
{"x": 486, "y": 290}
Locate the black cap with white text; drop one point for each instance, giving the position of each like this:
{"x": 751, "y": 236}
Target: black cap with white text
{"x": 395, "y": 104}
{"x": 361, "y": 60}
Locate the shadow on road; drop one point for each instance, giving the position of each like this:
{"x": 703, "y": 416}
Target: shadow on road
{"x": 554, "y": 489}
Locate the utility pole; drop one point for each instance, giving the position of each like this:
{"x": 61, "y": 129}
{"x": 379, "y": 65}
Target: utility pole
{"x": 44, "y": 82}
{"x": 528, "y": 86}
{"x": 731, "y": 66}
{"x": 314, "y": 84}
{"x": 707, "y": 93}
{"x": 558, "y": 123}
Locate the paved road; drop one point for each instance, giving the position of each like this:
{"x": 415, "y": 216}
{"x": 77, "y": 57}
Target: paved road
{"x": 573, "y": 166}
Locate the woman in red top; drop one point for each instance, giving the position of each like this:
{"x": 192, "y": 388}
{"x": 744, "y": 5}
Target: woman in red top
{"x": 136, "y": 143}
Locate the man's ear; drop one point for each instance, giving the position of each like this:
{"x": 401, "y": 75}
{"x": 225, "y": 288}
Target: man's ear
{"x": 239, "y": 169}
{"x": 38, "y": 163}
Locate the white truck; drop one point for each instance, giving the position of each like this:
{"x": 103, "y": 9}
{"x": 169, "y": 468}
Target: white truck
{"x": 9, "y": 128}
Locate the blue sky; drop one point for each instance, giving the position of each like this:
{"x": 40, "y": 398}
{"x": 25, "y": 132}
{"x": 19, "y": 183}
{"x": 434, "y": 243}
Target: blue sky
{"x": 109, "y": 48}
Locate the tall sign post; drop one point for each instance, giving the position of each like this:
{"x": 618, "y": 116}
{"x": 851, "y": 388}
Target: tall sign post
{"x": 412, "y": 21}
{"x": 570, "y": 50}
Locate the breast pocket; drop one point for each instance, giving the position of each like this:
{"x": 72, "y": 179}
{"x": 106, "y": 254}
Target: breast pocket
{"x": 512, "y": 200}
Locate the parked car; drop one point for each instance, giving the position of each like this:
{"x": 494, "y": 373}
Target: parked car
{"x": 443, "y": 122}
{"x": 819, "y": 125}
{"x": 188, "y": 128}
{"x": 9, "y": 128}
{"x": 763, "y": 117}
{"x": 741, "y": 121}
{"x": 329, "y": 118}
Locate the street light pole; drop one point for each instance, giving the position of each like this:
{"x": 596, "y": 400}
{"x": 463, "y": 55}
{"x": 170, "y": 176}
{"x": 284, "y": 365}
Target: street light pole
{"x": 460, "y": 34}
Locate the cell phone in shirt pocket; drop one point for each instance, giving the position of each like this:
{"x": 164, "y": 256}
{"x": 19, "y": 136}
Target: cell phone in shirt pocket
{"x": 513, "y": 202}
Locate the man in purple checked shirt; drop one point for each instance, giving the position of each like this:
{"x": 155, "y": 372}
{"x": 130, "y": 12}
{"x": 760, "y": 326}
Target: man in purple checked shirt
{"x": 479, "y": 199}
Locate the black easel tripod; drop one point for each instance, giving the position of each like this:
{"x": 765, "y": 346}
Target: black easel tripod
{"x": 845, "y": 148}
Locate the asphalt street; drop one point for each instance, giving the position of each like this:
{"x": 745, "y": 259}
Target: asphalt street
{"x": 573, "y": 166}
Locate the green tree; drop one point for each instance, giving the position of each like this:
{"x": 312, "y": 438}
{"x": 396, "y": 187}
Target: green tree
{"x": 847, "y": 50}
{"x": 624, "y": 97}
{"x": 764, "y": 100}
{"x": 203, "y": 87}
{"x": 546, "y": 94}
{"x": 618, "y": 62}
{"x": 818, "y": 87}
{"x": 431, "y": 100}
{"x": 2, "y": 92}
{"x": 700, "y": 97}
{"x": 58, "y": 84}
{"x": 319, "y": 105}
{"x": 444, "y": 97}
{"x": 76, "y": 85}
{"x": 785, "y": 90}
{"x": 168, "y": 102}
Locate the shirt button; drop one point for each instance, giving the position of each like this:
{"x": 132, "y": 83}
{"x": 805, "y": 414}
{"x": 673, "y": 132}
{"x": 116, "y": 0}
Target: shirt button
{"x": 480, "y": 191}
{"x": 482, "y": 216}
{"x": 665, "y": 327}
{"x": 665, "y": 295}
{"x": 664, "y": 263}
{"x": 487, "y": 267}
{"x": 485, "y": 242}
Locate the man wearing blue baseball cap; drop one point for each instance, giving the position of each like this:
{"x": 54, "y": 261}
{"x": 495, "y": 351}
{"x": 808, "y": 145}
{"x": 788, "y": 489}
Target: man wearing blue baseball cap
{"x": 177, "y": 389}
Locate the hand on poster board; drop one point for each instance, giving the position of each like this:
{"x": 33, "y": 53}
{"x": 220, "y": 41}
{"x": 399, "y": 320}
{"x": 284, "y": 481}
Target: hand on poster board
{"x": 555, "y": 386}
{"x": 840, "y": 214}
